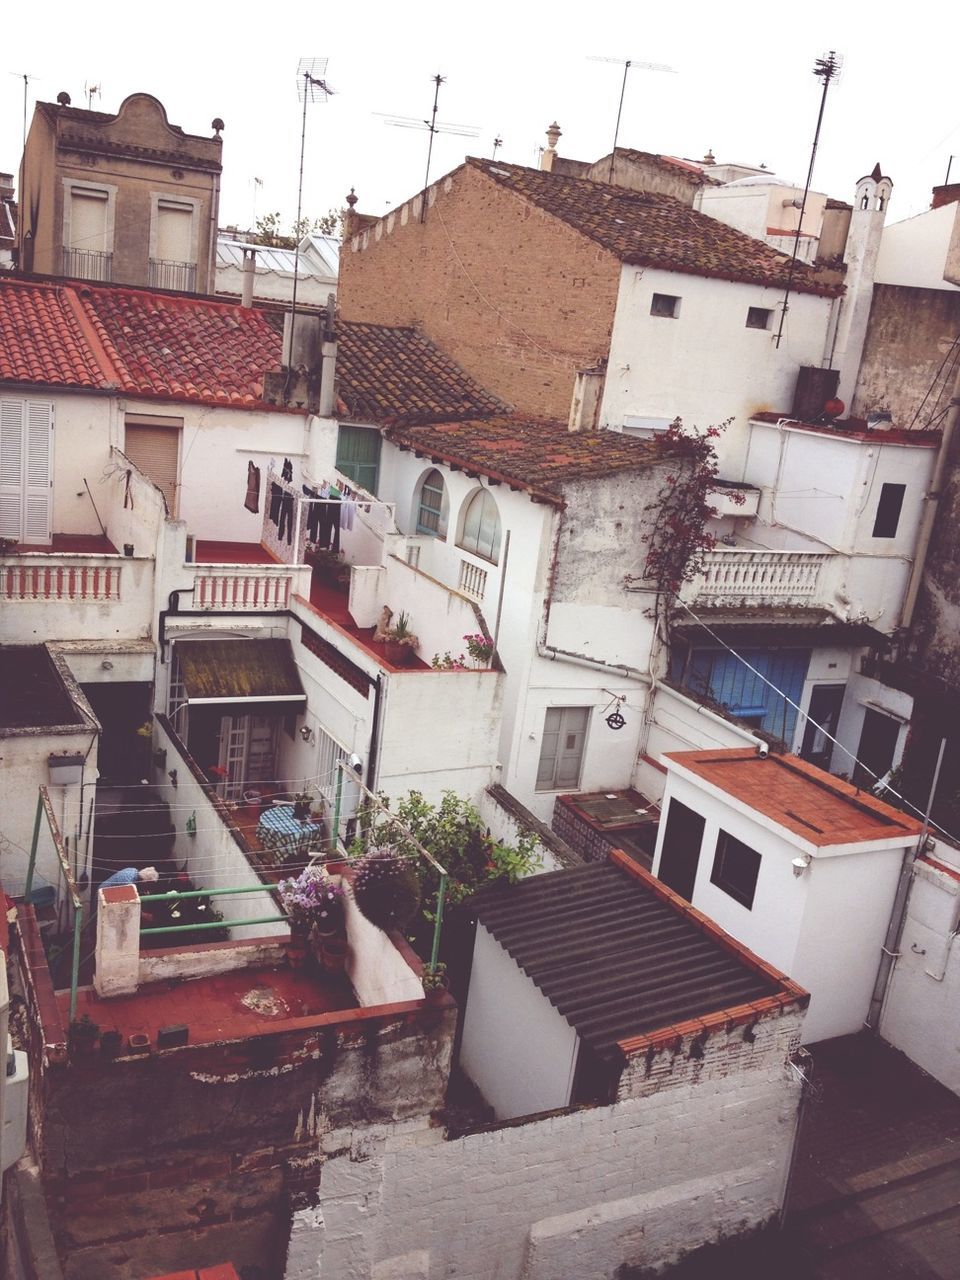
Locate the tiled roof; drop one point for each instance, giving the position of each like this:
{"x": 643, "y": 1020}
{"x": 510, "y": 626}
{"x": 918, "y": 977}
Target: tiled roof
{"x": 798, "y": 796}
{"x": 685, "y": 168}
{"x": 41, "y": 340}
{"x": 617, "y": 957}
{"x": 388, "y": 373}
{"x": 215, "y": 670}
{"x": 647, "y": 229}
{"x": 526, "y": 453}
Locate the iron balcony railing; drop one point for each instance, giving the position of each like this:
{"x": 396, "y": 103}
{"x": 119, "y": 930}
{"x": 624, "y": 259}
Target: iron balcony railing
{"x": 181, "y": 276}
{"x": 87, "y": 264}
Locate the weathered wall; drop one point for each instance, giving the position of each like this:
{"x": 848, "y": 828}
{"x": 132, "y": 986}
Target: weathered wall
{"x": 644, "y": 173}
{"x": 910, "y": 332}
{"x": 702, "y": 1155}
{"x": 512, "y": 294}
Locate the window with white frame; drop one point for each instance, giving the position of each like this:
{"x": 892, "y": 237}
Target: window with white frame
{"x": 666, "y": 305}
{"x": 88, "y": 232}
{"x": 561, "y": 749}
{"x": 481, "y": 526}
{"x": 432, "y": 506}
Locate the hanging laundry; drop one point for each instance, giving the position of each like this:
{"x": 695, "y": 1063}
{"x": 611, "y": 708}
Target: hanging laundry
{"x": 252, "y": 500}
{"x": 328, "y": 534}
{"x": 286, "y": 471}
{"x": 285, "y": 524}
{"x": 348, "y": 510}
{"x": 313, "y": 514}
{"x": 276, "y": 496}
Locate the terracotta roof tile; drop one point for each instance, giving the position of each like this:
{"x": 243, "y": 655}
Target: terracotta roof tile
{"x": 40, "y": 338}
{"x": 647, "y": 229}
{"x": 821, "y": 809}
{"x": 386, "y": 372}
{"x": 525, "y": 453}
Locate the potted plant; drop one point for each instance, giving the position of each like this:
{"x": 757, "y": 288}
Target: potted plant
{"x": 302, "y": 801}
{"x": 400, "y": 643}
{"x": 386, "y": 888}
{"x": 327, "y": 565}
{"x": 479, "y": 648}
{"x": 333, "y": 954}
{"x": 84, "y": 1034}
{"x": 313, "y": 902}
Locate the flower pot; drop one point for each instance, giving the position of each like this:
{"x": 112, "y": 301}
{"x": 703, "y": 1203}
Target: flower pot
{"x": 333, "y": 954}
{"x": 297, "y": 951}
{"x": 397, "y": 654}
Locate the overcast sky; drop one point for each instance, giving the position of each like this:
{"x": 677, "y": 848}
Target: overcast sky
{"x": 743, "y": 87}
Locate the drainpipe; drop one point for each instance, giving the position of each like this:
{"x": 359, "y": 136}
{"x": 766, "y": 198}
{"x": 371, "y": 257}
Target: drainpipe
{"x": 931, "y": 505}
{"x": 373, "y": 760}
{"x": 712, "y": 716}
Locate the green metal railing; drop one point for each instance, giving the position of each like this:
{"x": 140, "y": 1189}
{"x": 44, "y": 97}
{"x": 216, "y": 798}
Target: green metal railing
{"x": 176, "y": 894}
{"x": 44, "y": 807}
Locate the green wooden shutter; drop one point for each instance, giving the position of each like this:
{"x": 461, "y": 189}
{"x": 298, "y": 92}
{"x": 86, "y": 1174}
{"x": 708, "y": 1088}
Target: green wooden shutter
{"x": 358, "y": 456}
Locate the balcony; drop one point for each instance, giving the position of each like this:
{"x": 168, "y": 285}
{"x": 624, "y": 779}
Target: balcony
{"x": 747, "y": 577}
{"x": 87, "y": 264}
{"x": 181, "y": 276}
{"x": 244, "y": 577}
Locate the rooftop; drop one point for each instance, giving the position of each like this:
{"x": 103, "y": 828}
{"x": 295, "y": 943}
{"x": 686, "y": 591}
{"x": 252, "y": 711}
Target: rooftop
{"x": 807, "y": 801}
{"x": 619, "y": 955}
{"x": 853, "y": 429}
{"x": 527, "y": 453}
{"x": 32, "y": 693}
{"x": 647, "y": 229}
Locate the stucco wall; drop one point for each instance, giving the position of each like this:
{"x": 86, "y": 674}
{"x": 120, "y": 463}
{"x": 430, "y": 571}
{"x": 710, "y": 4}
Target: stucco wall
{"x": 914, "y": 252}
{"x": 702, "y": 1156}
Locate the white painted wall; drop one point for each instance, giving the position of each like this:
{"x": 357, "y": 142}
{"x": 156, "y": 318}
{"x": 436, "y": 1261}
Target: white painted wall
{"x": 914, "y": 252}
{"x": 759, "y": 206}
{"x": 920, "y": 1015}
{"x": 378, "y": 972}
{"x": 823, "y": 929}
{"x": 706, "y": 365}
{"x": 863, "y": 694}
{"x": 518, "y": 1050}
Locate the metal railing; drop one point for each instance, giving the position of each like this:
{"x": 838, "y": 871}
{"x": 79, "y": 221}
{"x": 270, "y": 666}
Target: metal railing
{"x": 44, "y": 807}
{"x": 473, "y": 580}
{"x": 88, "y": 264}
{"x": 165, "y": 274}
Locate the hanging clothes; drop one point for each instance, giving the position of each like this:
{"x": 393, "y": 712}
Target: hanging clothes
{"x": 285, "y": 524}
{"x": 276, "y": 496}
{"x": 328, "y": 534}
{"x": 252, "y": 500}
{"x": 313, "y": 514}
{"x": 348, "y": 511}
{"x": 286, "y": 471}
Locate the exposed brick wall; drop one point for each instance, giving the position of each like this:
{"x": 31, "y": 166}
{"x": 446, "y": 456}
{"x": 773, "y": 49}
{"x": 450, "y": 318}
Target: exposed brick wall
{"x": 577, "y": 1193}
{"x": 555, "y": 291}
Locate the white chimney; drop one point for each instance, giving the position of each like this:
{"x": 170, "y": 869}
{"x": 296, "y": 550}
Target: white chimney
{"x": 249, "y": 267}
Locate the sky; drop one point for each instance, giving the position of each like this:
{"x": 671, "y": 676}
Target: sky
{"x": 742, "y": 85}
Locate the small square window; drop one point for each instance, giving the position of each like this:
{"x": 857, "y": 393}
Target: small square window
{"x": 735, "y": 869}
{"x": 665, "y": 304}
{"x": 758, "y": 317}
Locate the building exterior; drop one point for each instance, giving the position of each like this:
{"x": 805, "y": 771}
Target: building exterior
{"x": 127, "y": 197}
{"x": 273, "y": 269}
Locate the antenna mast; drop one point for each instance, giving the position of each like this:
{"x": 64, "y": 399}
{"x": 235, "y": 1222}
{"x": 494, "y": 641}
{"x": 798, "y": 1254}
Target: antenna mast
{"x": 433, "y": 127}
{"x": 627, "y": 64}
{"x": 826, "y": 69}
{"x": 311, "y": 87}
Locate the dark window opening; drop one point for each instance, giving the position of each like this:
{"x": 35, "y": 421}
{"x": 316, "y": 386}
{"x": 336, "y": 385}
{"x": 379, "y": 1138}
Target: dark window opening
{"x": 665, "y": 304}
{"x": 735, "y": 869}
{"x": 758, "y": 317}
{"x": 888, "y": 510}
{"x": 680, "y": 853}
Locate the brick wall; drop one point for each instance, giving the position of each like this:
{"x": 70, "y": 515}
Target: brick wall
{"x": 699, "y": 1154}
{"x": 512, "y": 294}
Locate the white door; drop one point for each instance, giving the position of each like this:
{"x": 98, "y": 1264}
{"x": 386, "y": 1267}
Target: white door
{"x": 248, "y": 750}
{"x": 26, "y": 454}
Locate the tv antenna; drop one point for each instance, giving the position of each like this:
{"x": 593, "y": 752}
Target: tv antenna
{"x": 92, "y": 90}
{"x": 497, "y": 144}
{"x": 826, "y": 69}
{"x": 433, "y": 127}
{"x": 627, "y": 63}
{"x": 26, "y": 77}
{"x": 311, "y": 88}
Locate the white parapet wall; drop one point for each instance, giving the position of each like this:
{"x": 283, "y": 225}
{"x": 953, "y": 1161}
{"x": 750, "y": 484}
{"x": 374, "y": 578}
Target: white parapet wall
{"x": 377, "y": 970}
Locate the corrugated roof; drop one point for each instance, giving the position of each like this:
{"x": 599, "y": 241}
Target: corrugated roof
{"x": 652, "y": 230}
{"x": 815, "y": 805}
{"x": 232, "y": 670}
{"x": 527, "y": 453}
{"x": 615, "y": 957}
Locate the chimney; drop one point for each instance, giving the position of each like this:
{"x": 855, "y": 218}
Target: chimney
{"x": 949, "y": 193}
{"x": 549, "y": 153}
{"x": 351, "y": 219}
{"x": 6, "y": 186}
{"x": 328, "y": 375}
{"x": 587, "y": 394}
{"x": 249, "y": 267}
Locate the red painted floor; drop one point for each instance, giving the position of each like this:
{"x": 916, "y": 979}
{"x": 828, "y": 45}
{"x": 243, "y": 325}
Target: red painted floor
{"x": 229, "y": 1006}
{"x": 206, "y": 552}
{"x": 78, "y": 543}
{"x": 332, "y": 604}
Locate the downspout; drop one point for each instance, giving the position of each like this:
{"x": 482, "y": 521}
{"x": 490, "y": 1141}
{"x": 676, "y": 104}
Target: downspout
{"x": 373, "y": 760}
{"x": 931, "y": 505}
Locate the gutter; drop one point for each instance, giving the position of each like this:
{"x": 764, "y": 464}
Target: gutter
{"x": 173, "y": 610}
{"x": 712, "y": 716}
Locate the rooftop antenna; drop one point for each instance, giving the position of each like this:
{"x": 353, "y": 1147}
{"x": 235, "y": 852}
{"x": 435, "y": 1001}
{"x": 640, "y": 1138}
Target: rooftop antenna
{"x": 433, "y": 127}
{"x": 311, "y": 87}
{"x": 627, "y": 63}
{"x": 826, "y": 69}
{"x": 90, "y": 90}
{"x": 256, "y": 183}
{"x": 497, "y": 144}
{"x": 25, "y": 76}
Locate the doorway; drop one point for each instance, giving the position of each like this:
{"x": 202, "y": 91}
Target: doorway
{"x": 878, "y": 746}
{"x": 823, "y": 713}
{"x": 680, "y": 855}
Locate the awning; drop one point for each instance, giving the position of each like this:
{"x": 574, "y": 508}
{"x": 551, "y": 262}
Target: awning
{"x": 252, "y": 672}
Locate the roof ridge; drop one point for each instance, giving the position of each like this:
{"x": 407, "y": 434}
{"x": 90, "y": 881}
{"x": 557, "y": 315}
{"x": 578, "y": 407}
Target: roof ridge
{"x": 88, "y": 330}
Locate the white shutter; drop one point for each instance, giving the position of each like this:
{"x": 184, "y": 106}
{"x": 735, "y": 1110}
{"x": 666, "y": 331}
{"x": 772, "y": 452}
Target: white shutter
{"x": 88, "y": 220}
{"x": 174, "y": 232}
{"x": 11, "y": 468}
{"x": 39, "y": 429}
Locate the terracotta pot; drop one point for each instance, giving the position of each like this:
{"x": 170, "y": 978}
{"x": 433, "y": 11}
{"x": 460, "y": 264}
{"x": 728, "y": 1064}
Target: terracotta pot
{"x": 333, "y": 954}
{"x": 398, "y": 655}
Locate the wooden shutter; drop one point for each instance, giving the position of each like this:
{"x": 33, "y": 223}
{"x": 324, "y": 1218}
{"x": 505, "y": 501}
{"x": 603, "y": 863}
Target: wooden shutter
{"x": 25, "y": 458}
{"x": 358, "y": 456}
{"x": 88, "y": 220}
{"x": 174, "y": 232}
{"x": 155, "y": 451}
{"x": 11, "y": 469}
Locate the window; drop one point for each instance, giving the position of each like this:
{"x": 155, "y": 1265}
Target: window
{"x": 26, "y": 455}
{"x": 680, "y": 852}
{"x": 481, "y": 526}
{"x": 153, "y": 446}
{"x": 758, "y": 317}
{"x": 665, "y": 304}
{"x": 735, "y": 869}
{"x": 173, "y": 260}
{"x": 888, "y": 510}
{"x": 87, "y": 238}
{"x": 431, "y": 513}
{"x": 561, "y": 751}
{"x": 358, "y": 456}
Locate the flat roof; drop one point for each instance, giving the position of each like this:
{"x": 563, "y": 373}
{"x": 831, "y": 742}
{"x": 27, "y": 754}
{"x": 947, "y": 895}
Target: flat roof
{"x": 813, "y": 804}
{"x": 32, "y": 692}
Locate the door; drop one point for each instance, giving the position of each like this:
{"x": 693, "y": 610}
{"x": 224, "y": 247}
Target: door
{"x": 155, "y": 451}
{"x": 824, "y": 711}
{"x": 248, "y": 752}
{"x": 26, "y": 455}
{"x": 680, "y": 854}
{"x": 878, "y": 744}
{"x": 561, "y": 751}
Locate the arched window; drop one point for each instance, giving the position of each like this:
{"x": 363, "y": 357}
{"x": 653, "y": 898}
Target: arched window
{"x": 481, "y": 527}
{"x": 431, "y": 516}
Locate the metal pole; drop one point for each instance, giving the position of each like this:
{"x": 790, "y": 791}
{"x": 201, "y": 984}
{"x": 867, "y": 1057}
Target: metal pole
{"x": 616, "y": 132}
{"x": 296, "y": 230}
{"x": 432, "y": 129}
{"x": 205, "y": 893}
{"x": 75, "y": 970}
{"x": 438, "y": 922}
{"x": 33, "y": 849}
{"x": 215, "y": 924}
{"x": 336, "y": 806}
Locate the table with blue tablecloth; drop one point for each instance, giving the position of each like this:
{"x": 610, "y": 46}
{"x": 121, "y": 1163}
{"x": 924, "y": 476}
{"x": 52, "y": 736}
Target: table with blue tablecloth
{"x": 283, "y": 836}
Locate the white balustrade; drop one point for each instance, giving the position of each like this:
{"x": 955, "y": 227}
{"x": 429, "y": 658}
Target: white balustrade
{"x": 259, "y": 590}
{"x": 54, "y": 581}
{"x": 745, "y": 576}
{"x": 473, "y": 580}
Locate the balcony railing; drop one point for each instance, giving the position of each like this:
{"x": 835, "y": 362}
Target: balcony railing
{"x": 473, "y": 580}
{"x": 59, "y": 582}
{"x": 743, "y": 576}
{"x": 259, "y": 590}
{"x": 165, "y": 274}
{"x": 87, "y": 264}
